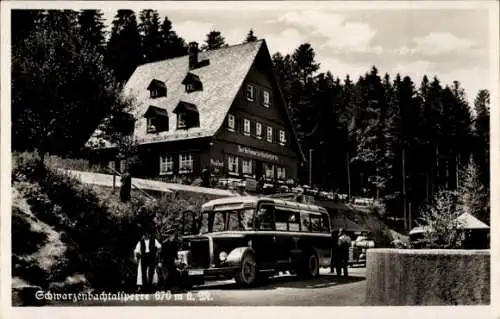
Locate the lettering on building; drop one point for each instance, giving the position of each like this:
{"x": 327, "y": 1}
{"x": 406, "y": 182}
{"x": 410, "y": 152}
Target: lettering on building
{"x": 256, "y": 153}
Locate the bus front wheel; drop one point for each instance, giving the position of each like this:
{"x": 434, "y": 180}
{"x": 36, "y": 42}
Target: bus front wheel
{"x": 247, "y": 273}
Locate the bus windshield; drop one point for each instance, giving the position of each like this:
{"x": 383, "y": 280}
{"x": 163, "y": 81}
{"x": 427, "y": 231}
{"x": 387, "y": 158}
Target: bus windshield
{"x": 240, "y": 219}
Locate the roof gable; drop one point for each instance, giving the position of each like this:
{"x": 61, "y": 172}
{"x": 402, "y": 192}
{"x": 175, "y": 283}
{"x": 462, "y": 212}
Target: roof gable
{"x": 221, "y": 78}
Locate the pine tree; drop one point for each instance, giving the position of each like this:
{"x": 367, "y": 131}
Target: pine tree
{"x": 304, "y": 61}
{"x": 250, "y": 36}
{"x": 214, "y": 41}
{"x": 124, "y": 51}
{"x": 172, "y": 45}
{"x": 481, "y": 127}
{"x": 92, "y": 28}
{"x": 149, "y": 29}
{"x": 22, "y": 23}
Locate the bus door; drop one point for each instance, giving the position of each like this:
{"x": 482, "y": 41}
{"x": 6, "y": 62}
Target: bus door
{"x": 264, "y": 242}
{"x": 287, "y": 235}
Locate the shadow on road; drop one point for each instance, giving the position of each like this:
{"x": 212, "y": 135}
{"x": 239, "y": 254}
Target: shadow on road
{"x": 323, "y": 281}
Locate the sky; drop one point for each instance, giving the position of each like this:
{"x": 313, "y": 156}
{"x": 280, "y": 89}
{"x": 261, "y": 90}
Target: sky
{"x": 450, "y": 43}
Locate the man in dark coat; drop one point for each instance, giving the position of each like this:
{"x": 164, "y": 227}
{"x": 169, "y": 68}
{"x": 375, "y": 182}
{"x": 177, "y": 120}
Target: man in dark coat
{"x": 335, "y": 254}
{"x": 344, "y": 243}
{"x": 205, "y": 177}
{"x": 170, "y": 247}
{"x": 126, "y": 185}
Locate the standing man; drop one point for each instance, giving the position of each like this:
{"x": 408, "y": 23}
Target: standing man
{"x": 145, "y": 253}
{"x": 205, "y": 177}
{"x": 344, "y": 243}
{"x": 126, "y": 185}
{"x": 334, "y": 252}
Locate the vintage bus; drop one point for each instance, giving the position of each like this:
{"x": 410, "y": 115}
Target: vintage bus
{"x": 252, "y": 238}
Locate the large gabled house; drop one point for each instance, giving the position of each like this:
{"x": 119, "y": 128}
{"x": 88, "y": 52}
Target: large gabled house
{"x": 220, "y": 110}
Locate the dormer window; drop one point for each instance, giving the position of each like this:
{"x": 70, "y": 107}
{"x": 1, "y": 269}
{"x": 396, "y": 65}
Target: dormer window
{"x": 192, "y": 83}
{"x": 156, "y": 119}
{"x": 187, "y": 115}
{"x": 157, "y": 89}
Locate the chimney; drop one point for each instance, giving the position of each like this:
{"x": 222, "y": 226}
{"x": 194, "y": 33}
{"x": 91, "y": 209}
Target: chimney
{"x": 193, "y": 55}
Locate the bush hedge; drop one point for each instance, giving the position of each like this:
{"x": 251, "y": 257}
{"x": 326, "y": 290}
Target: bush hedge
{"x": 99, "y": 231}
{"x": 427, "y": 277}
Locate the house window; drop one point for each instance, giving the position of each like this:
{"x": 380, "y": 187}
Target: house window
{"x": 190, "y": 87}
{"x": 258, "y": 130}
{"x": 269, "y": 170}
{"x": 266, "y": 98}
{"x": 157, "y": 88}
{"x": 246, "y": 127}
{"x": 232, "y": 165}
{"x": 269, "y": 134}
{"x": 185, "y": 163}
{"x": 250, "y": 93}
{"x": 281, "y": 173}
{"x": 282, "y": 137}
{"x": 247, "y": 168}
{"x": 230, "y": 122}
{"x": 111, "y": 165}
{"x": 166, "y": 164}
{"x": 181, "y": 120}
{"x": 150, "y": 128}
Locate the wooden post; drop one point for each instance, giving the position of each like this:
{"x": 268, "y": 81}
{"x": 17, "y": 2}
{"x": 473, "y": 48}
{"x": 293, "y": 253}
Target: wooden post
{"x": 114, "y": 183}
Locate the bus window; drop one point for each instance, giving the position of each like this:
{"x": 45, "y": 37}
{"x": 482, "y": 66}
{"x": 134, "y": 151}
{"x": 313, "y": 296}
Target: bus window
{"x": 287, "y": 220}
{"x": 240, "y": 219}
{"x": 219, "y": 222}
{"x": 326, "y": 223}
{"x": 316, "y": 224}
{"x": 265, "y": 218}
{"x": 305, "y": 222}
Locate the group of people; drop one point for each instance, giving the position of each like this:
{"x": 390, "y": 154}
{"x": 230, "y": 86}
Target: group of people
{"x": 156, "y": 266}
{"x": 341, "y": 243}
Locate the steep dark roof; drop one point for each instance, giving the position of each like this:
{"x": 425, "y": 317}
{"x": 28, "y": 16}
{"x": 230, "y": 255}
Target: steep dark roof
{"x": 153, "y": 110}
{"x": 222, "y": 78}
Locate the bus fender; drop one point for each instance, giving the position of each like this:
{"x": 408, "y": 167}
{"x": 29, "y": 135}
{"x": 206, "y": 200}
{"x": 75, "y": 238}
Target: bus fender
{"x": 235, "y": 256}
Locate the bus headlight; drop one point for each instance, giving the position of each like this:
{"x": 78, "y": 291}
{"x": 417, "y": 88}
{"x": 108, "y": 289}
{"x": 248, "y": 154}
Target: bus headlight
{"x": 222, "y": 256}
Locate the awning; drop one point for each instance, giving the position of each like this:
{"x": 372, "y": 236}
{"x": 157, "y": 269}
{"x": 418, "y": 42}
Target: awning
{"x": 185, "y": 107}
{"x": 467, "y": 221}
{"x": 155, "y": 111}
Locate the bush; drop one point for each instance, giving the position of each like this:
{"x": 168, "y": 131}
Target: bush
{"x": 25, "y": 241}
{"x": 427, "y": 277}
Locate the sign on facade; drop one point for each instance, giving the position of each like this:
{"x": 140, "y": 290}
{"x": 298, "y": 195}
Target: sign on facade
{"x": 256, "y": 153}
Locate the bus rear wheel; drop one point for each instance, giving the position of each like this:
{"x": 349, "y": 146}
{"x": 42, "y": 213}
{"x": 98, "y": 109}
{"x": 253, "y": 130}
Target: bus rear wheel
{"x": 310, "y": 266}
{"x": 246, "y": 275}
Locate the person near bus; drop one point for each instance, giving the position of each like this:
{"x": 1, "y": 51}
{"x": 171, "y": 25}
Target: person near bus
{"x": 169, "y": 250}
{"x": 344, "y": 243}
{"x": 334, "y": 251}
{"x": 146, "y": 253}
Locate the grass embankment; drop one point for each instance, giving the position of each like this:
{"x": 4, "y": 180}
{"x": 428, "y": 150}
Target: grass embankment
{"x": 69, "y": 236}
